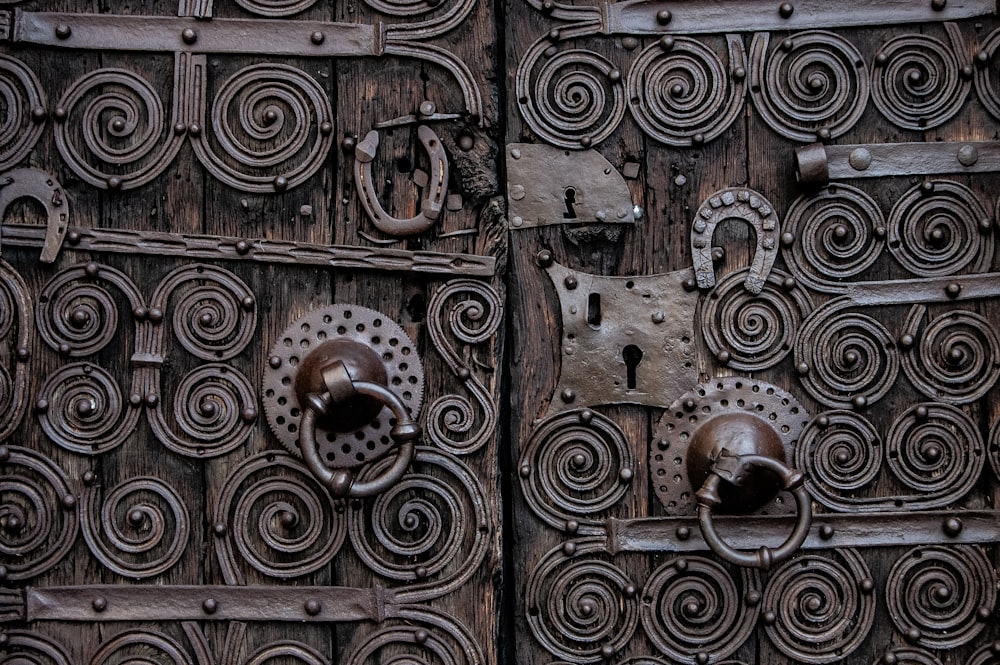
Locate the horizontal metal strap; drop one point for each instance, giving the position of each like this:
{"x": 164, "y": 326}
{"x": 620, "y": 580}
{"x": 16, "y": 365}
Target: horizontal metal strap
{"x": 206, "y": 603}
{"x": 109, "y": 32}
{"x": 207, "y": 247}
{"x": 640, "y": 17}
{"x": 900, "y": 529}
{"x": 818, "y": 164}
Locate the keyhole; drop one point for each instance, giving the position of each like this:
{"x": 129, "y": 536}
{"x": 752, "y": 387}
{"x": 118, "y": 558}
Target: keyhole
{"x": 570, "y": 200}
{"x": 632, "y": 355}
{"x": 594, "y": 309}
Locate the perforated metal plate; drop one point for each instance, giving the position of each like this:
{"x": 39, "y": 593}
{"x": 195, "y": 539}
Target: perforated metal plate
{"x": 355, "y": 323}
{"x": 668, "y": 452}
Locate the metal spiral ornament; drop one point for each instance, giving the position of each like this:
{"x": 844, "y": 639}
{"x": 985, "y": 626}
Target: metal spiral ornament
{"x": 576, "y": 466}
{"x": 994, "y": 447}
{"x": 214, "y": 312}
{"x": 285, "y": 651}
{"x": 845, "y": 359}
{"x": 81, "y": 409}
{"x": 275, "y": 8}
{"x": 76, "y": 316}
{"x": 571, "y": 98}
{"x": 25, "y": 113}
{"x": 935, "y": 449}
{"x": 822, "y": 606}
{"x": 917, "y": 80}
{"x": 957, "y": 358}
{"x": 755, "y": 331}
{"x": 16, "y": 333}
{"x": 840, "y": 453}
{"x": 29, "y": 648}
{"x": 934, "y": 230}
{"x": 273, "y": 515}
{"x": 214, "y": 410}
{"x": 695, "y": 611}
{"x": 146, "y": 647}
{"x": 682, "y": 94}
{"x": 417, "y": 634}
{"x": 942, "y": 597}
{"x": 38, "y": 521}
{"x": 139, "y": 530}
{"x": 432, "y": 528}
{"x": 474, "y": 312}
{"x": 839, "y": 232}
{"x": 987, "y": 79}
{"x": 273, "y": 123}
{"x": 988, "y": 654}
{"x": 113, "y": 132}
{"x": 908, "y": 656}
{"x": 581, "y": 607}
{"x": 812, "y": 85}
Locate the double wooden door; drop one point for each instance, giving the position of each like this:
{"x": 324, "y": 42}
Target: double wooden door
{"x": 634, "y": 333}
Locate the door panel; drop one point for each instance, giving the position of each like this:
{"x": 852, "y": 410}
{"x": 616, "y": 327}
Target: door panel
{"x": 209, "y": 234}
{"x": 795, "y": 284}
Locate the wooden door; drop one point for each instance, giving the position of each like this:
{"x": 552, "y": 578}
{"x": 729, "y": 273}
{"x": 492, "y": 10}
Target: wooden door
{"x": 717, "y": 245}
{"x": 197, "y": 195}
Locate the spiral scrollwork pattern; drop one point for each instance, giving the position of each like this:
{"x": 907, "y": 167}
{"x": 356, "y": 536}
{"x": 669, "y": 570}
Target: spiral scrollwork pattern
{"x": 273, "y": 515}
{"x": 693, "y": 608}
{"x": 572, "y": 98}
{"x": 682, "y": 94}
{"x": 24, "y": 107}
{"x": 812, "y": 84}
{"x": 432, "y": 527}
{"x": 139, "y": 530}
{"x": 917, "y": 80}
{"x": 957, "y": 359}
{"x": 16, "y": 334}
{"x": 214, "y": 409}
{"x": 845, "y": 358}
{"x": 840, "y": 453}
{"x": 756, "y": 331}
{"x": 114, "y": 133}
{"x": 576, "y": 465}
{"x": 988, "y": 654}
{"x": 987, "y": 81}
{"x": 149, "y": 648}
{"x": 935, "y": 449}
{"x": 275, "y": 8}
{"x": 274, "y": 123}
{"x": 284, "y": 651}
{"x": 823, "y": 606}
{"x": 934, "y": 231}
{"x": 32, "y": 648}
{"x": 81, "y": 409}
{"x": 214, "y": 313}
{"x": 839, "y": 233}
{"x": 418, "y": 634}
{"x": 76, "y": 316}
{"x": 473, "y": 312}
{"x": 38, "y": 522}
{"x": 938, "y": 596}
{"x": 581, "y": 606}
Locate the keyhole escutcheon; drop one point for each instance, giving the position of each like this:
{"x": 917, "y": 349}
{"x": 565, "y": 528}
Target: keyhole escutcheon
{"x": 632, "y": 355}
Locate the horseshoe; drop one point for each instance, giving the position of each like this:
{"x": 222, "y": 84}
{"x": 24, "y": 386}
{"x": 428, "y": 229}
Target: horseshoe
{"x": 435, "y": 190}
{"x": 44, "y": 188}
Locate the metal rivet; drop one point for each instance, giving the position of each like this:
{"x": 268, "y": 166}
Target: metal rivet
{"x": 769, "y": 618}
{"x": 99, "y": 604}
{"x": 663, "y": 17}
{"x": 420, "y": 572}
{"x": 572, "y": 526}
{"x": 464, "y": 374}
{"x": 585, "y": 141}
{"x": 586, "y": 416}
{"x": 968, "y": 155}
{"x": 860, "y": 159}
{"x": 554, "y": 34}
{"x": 752, "y": 597}
{"x": 39, "y": 114}
{"x": 723, "y": 357}
{"x": 570, "y": 282}
{"x": 567, "y": 395}
{"x": 683, "y": 533}
{"x": 826, "y": 532}
{"x": 135, "y": 399}
{"x": 63, "y": 31}
{"x": 248, "y": 302}
{"x": 569, "y": 549}
{"x": 466, "y": 142}
{"x": 152, "y": 400}
{"x": 867, "y": 585}
{"x": 625, "y": 475}
{"x": 787, "y": 45}
{"x": 952, "y": 527}
{"x": 280, "y": 183}
{"x": 630, "y": 43}
{"x": 194, "y": 129}
{"x": 906, "y": 341}
{"x": 789, "y": 283}
{"x": 786, "y": 9}
{"x": 73, "y": 237}
{"x": 658, "y": 317}
{"x": 59, "y": 114}
{"x": 525, "y": 471}
{"x": 701, "y": 658}
{"x": 953, "y": 289}
{"x": 666, "y": 43}
{"x": 89, "y": 477}
{"x": 317, "y": 38}
{"x": 313, "y": 607}
{"x": 913, "y": 635}
{"x": 629, "y": 591}
{"x": 421, "y": 636}
{"x": 681, "y": 564}
{"x": 427, "y": 108}
{"x": 859, "y": 402}
{"x": 249, "y": 415}
{"x": 209, "y": 605}
{"x": 938, "y": 5}
{"x": 219, "y": 529}
{"x": 23, "y": 353}
{"x": 189, "y": 36}
{"x": 787, "y": 239}
{"x": 739, "y": 73}
{"x": 607, "y": 652}
{"x": 921, "y": 413}
{"x": 114, "y": 182}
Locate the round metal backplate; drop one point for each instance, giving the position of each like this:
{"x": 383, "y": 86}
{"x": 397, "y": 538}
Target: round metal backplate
{"x": 668, "y": 452}
{"x": 359, "y": 324}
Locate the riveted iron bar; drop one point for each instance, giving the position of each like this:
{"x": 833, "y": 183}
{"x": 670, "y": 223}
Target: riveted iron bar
{"x": 641, "y": 17}
{"x": 105, "y": 32}
{"x": 878, "y": 160}
{"x": 828, "y": 531}
{"x": 206, "y": 247}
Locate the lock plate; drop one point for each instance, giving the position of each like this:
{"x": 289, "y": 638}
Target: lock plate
{"x": 405, "y": 377}
{"x": 624, "y": 339}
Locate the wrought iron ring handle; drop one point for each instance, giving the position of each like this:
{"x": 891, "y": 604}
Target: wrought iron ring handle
{"x": 341, "y": 482}
{"x": 763, "y": 557}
